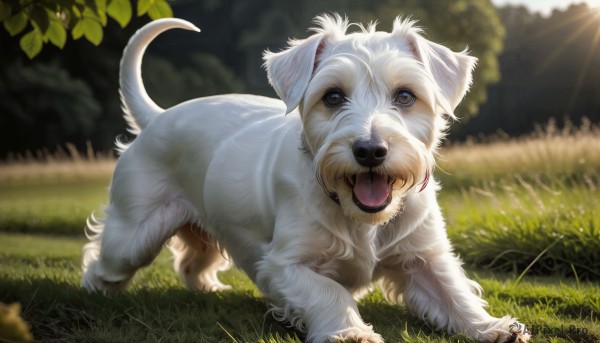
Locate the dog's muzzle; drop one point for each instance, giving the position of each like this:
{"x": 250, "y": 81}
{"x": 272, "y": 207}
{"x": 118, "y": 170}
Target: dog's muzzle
{"x": 371, "y": 191}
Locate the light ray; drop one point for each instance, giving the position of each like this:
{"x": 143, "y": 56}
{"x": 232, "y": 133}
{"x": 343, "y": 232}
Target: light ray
{"x": 586, "y": 65}
{"x": 558, "y": 26}
{"x": 563, "y": 45}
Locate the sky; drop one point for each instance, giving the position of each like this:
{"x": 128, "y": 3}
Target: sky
{"x": 546, "y": 6}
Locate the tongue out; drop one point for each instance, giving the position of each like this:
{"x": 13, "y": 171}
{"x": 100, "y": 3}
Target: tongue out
{"x": 371, "y": 189}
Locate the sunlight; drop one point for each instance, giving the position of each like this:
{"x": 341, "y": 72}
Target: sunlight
{"x": 594, "y": 6}
{"x": 560, "y": 25}
{"x": 595, "y": 12}
{"x": 589, "y": 23}
{"x": 595, "y": 18}
{"x": 561, "y": 49}
{"x": 588, "y": 20}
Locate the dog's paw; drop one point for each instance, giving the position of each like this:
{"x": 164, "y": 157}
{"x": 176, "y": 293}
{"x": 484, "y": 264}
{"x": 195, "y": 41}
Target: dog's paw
{"x": 93, "y": 282}
{"x": 209, "y": 282}
{"x": 519, "y": 333}
{"x": 103, "y": 286}
{"x": 359, "y": 337}
{"x": 516, "y": 333}
{"x": 213, "y": 287}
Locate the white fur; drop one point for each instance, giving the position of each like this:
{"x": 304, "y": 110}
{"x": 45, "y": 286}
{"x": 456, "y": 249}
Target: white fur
{"x": 231, "y": 176}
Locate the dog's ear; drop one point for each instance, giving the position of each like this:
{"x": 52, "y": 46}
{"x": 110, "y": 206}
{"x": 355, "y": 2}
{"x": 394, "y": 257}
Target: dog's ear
{"x": 290, "y": 71}
{"x": 451, "y": 70}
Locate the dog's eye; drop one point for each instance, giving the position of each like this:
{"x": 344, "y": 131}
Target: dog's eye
{"x": 404, "y": 98}
{"x": 334, "y": 98}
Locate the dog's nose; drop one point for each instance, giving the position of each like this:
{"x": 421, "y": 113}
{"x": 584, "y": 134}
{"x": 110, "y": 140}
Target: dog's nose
{"x": 369, "y": 152}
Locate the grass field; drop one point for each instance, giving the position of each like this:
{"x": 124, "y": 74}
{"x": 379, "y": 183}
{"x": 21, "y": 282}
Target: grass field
{"x": 523, "y": 215}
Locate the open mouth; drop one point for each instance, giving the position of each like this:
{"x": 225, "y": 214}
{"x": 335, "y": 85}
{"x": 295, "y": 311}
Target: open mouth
{"x": 371, "y": 192}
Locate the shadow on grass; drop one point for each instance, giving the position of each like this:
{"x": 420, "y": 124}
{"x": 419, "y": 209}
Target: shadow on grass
{"x": 60, "y": 312}
{"x": 35, "y": 224}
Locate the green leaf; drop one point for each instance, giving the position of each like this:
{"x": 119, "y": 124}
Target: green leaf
{"x": 56, "y": 33}
{"x": 5, "y": 11}
{"x": 31, "y": 43}
{"x": 77, "y": 30}
{"x": 120, "y": 11}
{"x": 77, "y": 10}
{"x": 160, "y": 9}
{"x": 90, "y": 28}
{"x": 94, "y": 33}
{"x": 96, "y": 9}
{"x": 92, "y": 5}
{"x": 39, "y": 18}
{"x": 15, "y": 24}
{"x": 101, "y": 10}
{"x": 143, "y": 6}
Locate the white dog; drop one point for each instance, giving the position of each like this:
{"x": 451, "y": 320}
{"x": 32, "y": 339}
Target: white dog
{"x": 314, "y": 205}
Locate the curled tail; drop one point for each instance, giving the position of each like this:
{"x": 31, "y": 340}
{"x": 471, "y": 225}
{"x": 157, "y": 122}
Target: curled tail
{"x": 138, "y": 107}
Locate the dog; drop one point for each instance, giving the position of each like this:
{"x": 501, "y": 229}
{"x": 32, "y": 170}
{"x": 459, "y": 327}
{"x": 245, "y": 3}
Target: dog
{"x": 315, "y": 196}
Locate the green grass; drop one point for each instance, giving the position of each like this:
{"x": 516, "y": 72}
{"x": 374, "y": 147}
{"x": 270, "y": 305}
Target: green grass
{"x": 50, "y": 207}
{"x": 555, "y": 229}
{"x": 43, "y": 274}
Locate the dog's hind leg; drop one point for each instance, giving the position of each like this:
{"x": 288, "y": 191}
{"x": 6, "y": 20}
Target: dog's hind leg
{"x": 121, "y": 244}
{"x": 198, "y": 259}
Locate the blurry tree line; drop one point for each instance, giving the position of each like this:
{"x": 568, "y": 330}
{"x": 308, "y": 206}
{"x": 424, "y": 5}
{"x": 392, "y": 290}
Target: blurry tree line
{"x": 550, "y": 68}
{"x": 71, "y": 95}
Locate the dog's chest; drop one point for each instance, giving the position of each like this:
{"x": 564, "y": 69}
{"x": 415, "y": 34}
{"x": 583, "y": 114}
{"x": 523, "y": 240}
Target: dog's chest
{"x": 352, "y": 272}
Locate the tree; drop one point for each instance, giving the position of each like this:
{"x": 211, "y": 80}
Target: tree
{"x": 549, "y": 71}
{"x": 50, "y": 20}
{"x": 200, "y": 74}
{"x": 43, "y": 105}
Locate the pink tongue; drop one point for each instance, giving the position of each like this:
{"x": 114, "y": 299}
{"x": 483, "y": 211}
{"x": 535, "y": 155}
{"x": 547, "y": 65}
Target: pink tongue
{"x": 371, "y": 189}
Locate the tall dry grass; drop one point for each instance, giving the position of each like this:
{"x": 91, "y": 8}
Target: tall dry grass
{"x": 549, "y": 153}
{"x": 62, "y": 165}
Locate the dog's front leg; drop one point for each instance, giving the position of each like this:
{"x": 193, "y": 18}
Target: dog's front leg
{"x": 434, "y": 286}
{"x": 439, "y": 292}
{"x": 422, "y": 271}
{"x": 313, "y": 303}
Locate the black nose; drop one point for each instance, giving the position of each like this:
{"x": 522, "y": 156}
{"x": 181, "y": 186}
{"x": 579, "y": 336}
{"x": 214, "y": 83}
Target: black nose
{"x": 369, "y": 152}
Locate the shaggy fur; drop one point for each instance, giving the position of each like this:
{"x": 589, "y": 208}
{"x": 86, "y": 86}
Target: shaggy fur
{"x": 314, "y": 205}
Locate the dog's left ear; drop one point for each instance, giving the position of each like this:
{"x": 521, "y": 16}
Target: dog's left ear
{"x": 451, "y": 70}
{"x": 290, "y": 71}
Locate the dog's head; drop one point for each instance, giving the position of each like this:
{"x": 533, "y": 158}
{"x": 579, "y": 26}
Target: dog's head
{"x": 374, "y": 107}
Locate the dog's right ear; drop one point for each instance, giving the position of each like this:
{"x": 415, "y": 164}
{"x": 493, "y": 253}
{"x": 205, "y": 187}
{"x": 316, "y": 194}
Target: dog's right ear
{"x": 290, "y": 70}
